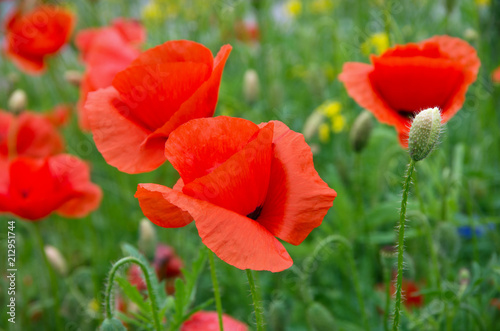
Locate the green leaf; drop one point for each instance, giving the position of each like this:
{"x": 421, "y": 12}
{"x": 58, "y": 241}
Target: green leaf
{"x": 132, "y": 293}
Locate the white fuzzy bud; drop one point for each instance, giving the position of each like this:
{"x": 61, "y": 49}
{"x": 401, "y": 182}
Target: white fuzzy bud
{"x": 56, "y": 260}
{"x": 147, "y": 238}
{"x": 251, "y": 86}
{"x": 18, "y": 101}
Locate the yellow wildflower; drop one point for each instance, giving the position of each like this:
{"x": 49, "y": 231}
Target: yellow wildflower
{"x": 294, "y": 7}
{"x": 324, "y": 133}
{"x": 378, "y": 42}
{"x": 330, "y": 108}
{"x": 483, "y": 3}
{"x": 338, "y": 123}
{"x": 321, "y": 6}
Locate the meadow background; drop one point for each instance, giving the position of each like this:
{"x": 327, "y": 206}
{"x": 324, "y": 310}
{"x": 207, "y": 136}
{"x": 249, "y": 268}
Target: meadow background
{"x": 453, "y": 230}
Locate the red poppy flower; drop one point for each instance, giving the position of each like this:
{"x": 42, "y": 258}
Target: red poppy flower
{"x": 167, "y": 266}
{"x": 163, "y": 88}
{"x": 410, "y": 293}
{"x": 106, "y": 51}
{"x": 244, "y": 185}
{"x": 33, "y": 35}
{"x": 209, "y": 321}
{"x": 409, "y": 78}
{"x": 34, "y": 188}
{"x": 495, "y": 76}
{"x": 33, "y": 135}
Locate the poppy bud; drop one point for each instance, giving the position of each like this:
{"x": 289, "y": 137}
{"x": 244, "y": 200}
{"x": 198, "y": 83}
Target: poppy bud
{"x": 112, "y": 324}
{"x": 320, "y": 318}
{"x": 312, "y": 124}
{"x": 147, "y": 238}
{"x": 251, "y": 86}
{"x": 361, "y": 131}
{"x": 56, "y": 260}
{"x": 424, "y": 133}
{"x": 73, "y": 77}
{"x": 17, "y": 101}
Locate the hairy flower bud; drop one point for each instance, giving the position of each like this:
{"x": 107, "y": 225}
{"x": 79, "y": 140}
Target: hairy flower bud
{"x": 361, "y": 131}
{"x": 56, "y": 260}
{"x": 251, "y": 86}
{"x": 17, "y": 101}
{"x": 147, "y": 238}
{"x": 424, "y": 133}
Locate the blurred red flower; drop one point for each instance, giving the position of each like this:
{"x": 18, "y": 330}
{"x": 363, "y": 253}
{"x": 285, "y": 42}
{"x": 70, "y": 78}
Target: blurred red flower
{"x": 34, "y": 188}
{"x": 209, "y": 321}
{"x": 32, "y": 134}
{"x": 105, "y": 52}
{"x": 409, "y": 78}
{"x": 163, "y": 88}
{"x": 33, "y": 35}
{"x": 410, "y": 293}
{"x": 247, "y": 30}
{"x": 244, "y": 185}
{"x": 167, "y": 266}
{"x": 495, "y": 76}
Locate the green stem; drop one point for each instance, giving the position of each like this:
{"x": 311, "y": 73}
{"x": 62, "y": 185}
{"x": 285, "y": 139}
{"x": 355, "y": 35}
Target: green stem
{"x": 52, "y": 277}
{"x": 357, "y": 286}
{"x": 151, "y": 293}
{"x": 215, "y": 284}
{"x": 259, "y": 318}
{"x": 401, "y": 239}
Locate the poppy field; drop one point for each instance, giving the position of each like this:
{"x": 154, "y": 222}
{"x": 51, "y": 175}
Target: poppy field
{"x": 250, "y": 165}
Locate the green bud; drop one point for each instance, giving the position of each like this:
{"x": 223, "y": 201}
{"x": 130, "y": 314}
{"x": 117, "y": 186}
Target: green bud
{"x": 112, "y": 324}
{"x": 361, "y": 131}
{"x": 320, "y": 318}
{"x": 424, "y": 133}
{"x": 147, "y": 238}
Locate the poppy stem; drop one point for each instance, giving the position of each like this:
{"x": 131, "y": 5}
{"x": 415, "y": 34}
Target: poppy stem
{"x": 259, "y": 318}
{"x": 147, "y": 278}
{"x": 401, "y": 239}
{"x": 215, "y": 284}
{"x": 52, "y": 277}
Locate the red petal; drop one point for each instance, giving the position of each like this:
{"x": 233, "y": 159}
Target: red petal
{"x": 209, "y": 321}
{"x": 240, "y": 183}
{"x": 121, "y": 142}
{"x": 154, "y": 92}
{"x": 77, "y": 173}
{"x": 158, "y": 209}
{"x": 297, "y": 198}
{"x": 37, "y": 136}
{"x": 131, "y": 30}
{"x": 236, "y": 239}
{"x": 176, "y": 51}
{"x": 199, "y": 146}
{"x": 202, "y": 103}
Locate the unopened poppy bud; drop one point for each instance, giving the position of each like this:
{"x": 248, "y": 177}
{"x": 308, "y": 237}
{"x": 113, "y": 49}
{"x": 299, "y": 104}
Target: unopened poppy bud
{"x": 112, "y": 324}
{"x": 147, "y": 238}
{"x": 312, "y": 124}
{"x": 424, "y": 133}
{"x": 17, "y": 101}
{"x": 464, "y": 276}
{"x": 320, "y": 318}
{"x": 73, "y": 77}
{"x": 251, "y": 86}
{"x": 56, "y": 260}
{"x": 361, "y": 131}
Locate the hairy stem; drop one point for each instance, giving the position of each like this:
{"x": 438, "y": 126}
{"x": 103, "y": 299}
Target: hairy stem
{"x": 218, "y": 302}
{"x": 259, "y": 318}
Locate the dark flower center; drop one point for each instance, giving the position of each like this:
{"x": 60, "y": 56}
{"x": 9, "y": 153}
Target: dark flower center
{"x": 256, "y": 213}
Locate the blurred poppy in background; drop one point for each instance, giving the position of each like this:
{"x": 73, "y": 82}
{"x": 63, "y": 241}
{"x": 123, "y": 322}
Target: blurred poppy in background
{"x": 209, "y": 321}
{"x": 163, "y": 88}
{"x": 34, "y": 188}
{"x": 32, "y": 134}
{"x": 105, "y": 52}
{"x": 33, "y": 35}
{"x": 244, "y": 185}
{"x": 409, "y": 78}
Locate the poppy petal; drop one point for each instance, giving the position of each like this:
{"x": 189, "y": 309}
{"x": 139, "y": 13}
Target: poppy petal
{"x": 158, "y": 209}
{"x": 355, "y": 77}
{"x": 119, "y": 139}
{"x": 209, "y": 321}
{"x": 240, "y": 183}
{"x": 197, "y": 147}
{"x": 297, "y": 199}
{"x": 236, "y": 239}
{"x": 203, "y": 102}
{"x": 176, "y": 51}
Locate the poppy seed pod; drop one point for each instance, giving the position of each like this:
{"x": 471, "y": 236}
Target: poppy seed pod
{"x": 56, "y": 260}
{"x": 17, "y": 101}
{"x": 424, "y": 133}
{"x": 361, "y": 131}
{"x": 251, "y": 86}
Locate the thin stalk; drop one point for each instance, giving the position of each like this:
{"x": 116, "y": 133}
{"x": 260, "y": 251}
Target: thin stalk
{"x": 259, "y": 318}
{"x": 218, "y": 302}
{"x": 151, "y": 292}
{"x": 401, "y": 240}
{"x": 357, "y": 287}
{"x": 52, "y": 277}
